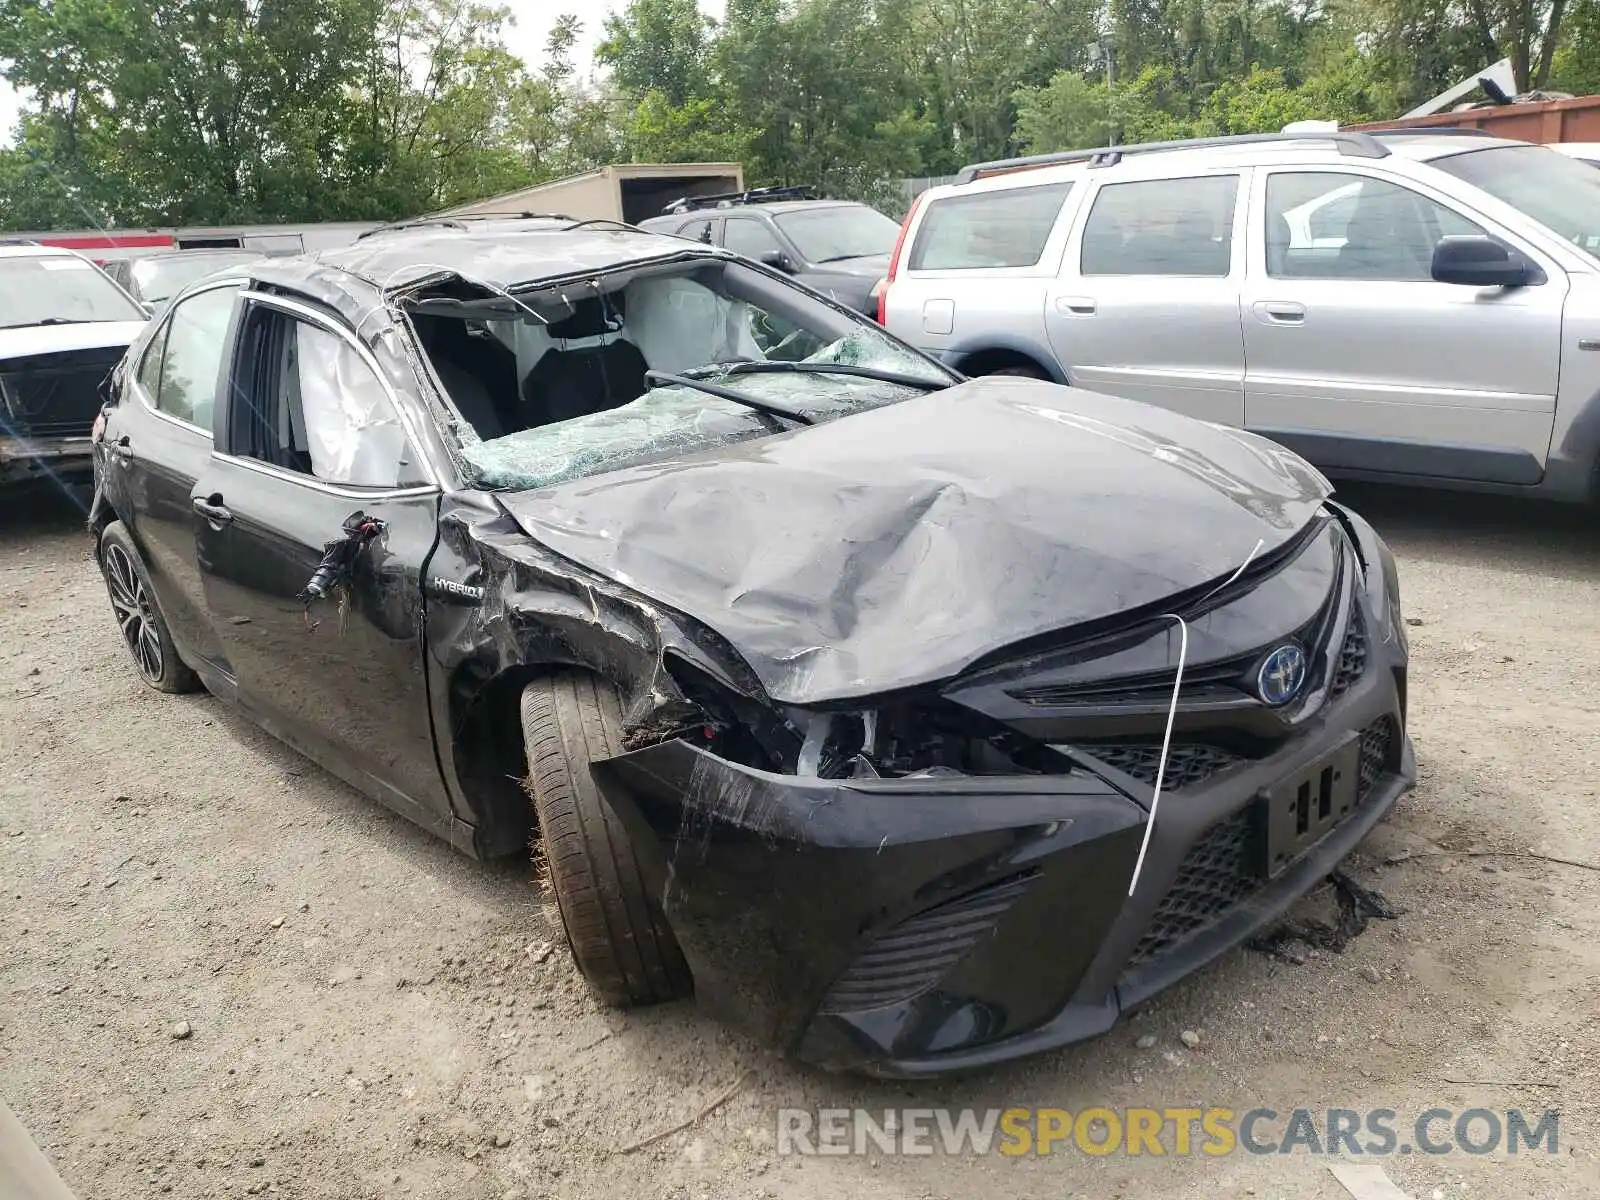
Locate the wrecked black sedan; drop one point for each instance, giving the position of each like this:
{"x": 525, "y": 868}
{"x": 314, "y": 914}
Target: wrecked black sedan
{"x": 916, "y": 722}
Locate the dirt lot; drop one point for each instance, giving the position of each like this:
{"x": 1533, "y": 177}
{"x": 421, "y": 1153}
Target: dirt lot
{"x": 370, "y": 1014}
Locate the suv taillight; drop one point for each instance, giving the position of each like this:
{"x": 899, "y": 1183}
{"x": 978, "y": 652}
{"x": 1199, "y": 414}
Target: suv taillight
{"x": 882, "y": 288}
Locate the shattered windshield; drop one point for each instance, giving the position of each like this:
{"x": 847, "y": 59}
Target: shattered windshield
{"x": 570, "y": 382}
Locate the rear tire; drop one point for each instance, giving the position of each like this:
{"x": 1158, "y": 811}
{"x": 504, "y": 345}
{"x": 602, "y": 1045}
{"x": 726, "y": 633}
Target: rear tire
{"x": 143, "y": 628}
{"x": 615, "y": 928}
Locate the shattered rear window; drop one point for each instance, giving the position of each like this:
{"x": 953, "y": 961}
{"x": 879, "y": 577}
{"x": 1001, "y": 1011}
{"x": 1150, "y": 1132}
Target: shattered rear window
{"x": 693, "y": 321}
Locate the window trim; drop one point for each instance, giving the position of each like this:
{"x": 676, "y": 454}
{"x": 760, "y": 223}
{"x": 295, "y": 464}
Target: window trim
{"x": 1244, "y": 197}
{"x": 1518, "y": 240}
{"x": 162, "y": 329}
{"x": 306, "y": 312}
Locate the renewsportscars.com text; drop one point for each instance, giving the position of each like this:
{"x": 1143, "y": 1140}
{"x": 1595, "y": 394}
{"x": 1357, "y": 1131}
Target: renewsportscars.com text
{"x": 1344, "y": 1132}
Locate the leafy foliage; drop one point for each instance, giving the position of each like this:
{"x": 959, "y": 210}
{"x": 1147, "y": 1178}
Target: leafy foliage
{"x": 211, "y": 111}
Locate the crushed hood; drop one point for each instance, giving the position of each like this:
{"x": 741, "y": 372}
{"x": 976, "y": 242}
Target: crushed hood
{"x": 56, "y": 339}
{"x": 895, "y": 547}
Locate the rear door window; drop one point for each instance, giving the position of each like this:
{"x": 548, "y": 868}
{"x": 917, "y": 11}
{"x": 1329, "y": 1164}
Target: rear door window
{"x": 1162, "y": 227}
{"x": 993, "y": 229}
{"x": 698, "y": 231}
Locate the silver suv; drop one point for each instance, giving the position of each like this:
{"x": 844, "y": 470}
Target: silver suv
{"x": 1412, "y": 307}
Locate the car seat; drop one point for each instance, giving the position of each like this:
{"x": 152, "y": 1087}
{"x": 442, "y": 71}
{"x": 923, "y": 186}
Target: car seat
{"x": 461, "y": 360}
{"x": 574, "y": 381}
{"x": 1280, "y": 236}
{"x": 1386, "y": 240}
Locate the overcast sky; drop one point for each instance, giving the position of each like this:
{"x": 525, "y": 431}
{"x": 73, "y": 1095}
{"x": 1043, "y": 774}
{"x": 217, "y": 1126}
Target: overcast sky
{"x": 526, "y": 38}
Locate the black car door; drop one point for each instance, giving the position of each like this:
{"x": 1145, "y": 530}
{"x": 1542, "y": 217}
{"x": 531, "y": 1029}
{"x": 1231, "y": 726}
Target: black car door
{"x": 311, "y": 438}
{"x": 157, "y": 443}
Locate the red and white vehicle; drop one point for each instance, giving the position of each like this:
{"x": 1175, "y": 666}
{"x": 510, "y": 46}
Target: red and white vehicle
{"x": 114, "y": 245}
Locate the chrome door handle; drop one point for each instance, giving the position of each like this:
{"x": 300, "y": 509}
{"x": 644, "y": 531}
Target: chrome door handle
{"x": 1280, "y": 312}
{"x": 1077, "y": 306}
{"x": 212, "y": 510}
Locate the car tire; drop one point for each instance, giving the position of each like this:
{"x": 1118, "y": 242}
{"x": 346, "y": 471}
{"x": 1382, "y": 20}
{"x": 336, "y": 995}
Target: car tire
{"x": 139, "y": 619}
{"x": 1021, "y": 371}
{"x": 616, "y": 930}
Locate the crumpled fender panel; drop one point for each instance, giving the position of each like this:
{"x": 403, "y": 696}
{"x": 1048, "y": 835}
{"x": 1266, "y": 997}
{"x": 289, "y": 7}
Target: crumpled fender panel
{"x": 499, "y": 603}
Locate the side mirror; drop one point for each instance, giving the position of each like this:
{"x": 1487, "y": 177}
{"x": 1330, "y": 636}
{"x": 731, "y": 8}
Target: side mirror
{"x": 778, "y": 261}
{"x": 1478, "y": 261}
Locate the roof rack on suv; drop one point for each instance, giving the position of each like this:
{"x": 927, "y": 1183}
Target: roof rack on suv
{"x": 764, "y": 195}
{"x": 1361, "y": 145}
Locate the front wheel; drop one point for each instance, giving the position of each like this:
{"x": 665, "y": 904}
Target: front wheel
{"x": 618, "y": 934}
{"x": 143, "y": 628}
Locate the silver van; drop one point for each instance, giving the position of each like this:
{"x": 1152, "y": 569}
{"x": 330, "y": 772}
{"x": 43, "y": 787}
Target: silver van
{"x": 1419, "y": 307}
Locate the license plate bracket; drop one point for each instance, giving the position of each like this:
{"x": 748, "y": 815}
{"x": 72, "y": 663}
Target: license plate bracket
{"x": 1308, "y": 805}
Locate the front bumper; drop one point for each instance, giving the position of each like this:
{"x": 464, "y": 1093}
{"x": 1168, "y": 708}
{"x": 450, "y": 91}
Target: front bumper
{"x": 911, "y": 927}
{"x": 23, "y": 459}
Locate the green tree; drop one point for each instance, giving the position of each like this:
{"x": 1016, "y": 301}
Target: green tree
{"x": 657, "y": 47}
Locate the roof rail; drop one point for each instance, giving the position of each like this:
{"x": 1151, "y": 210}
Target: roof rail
{"x": 1435, "y": 131}
{"x": 766, "y": 195}
{"x": 1360, "y": 145}
{"x": 459, "y": 221}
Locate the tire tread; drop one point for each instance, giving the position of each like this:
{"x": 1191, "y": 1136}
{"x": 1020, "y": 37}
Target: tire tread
{"x": 617, "y": 932}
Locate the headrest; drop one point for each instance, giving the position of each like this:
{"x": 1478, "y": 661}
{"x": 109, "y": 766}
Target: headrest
{"x": 590, "y": 317}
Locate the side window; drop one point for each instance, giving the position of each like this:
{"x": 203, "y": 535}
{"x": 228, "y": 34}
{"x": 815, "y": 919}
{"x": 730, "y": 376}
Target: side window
{"x": 1328, "y": 225}
{"x": 749, "y": 237}
{"x": 191, "y": 357}
{"x": 699, "y": 231}
{"x": 1162, "y": 227}
{"x": 309, "y": 403}
{"x": 987, "y": 229}
{"x": 149, "y": 373}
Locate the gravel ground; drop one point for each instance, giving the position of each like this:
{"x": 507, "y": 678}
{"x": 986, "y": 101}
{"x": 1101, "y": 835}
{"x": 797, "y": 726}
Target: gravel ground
{"x": 224, "y": 973}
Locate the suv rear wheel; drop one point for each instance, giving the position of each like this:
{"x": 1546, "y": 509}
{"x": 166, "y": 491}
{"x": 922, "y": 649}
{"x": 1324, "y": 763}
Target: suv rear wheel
{"x": 618, "y": 935}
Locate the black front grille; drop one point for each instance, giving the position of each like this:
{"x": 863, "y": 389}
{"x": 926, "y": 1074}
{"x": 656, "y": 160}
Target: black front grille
{"x": 1377, "y": 750}
{"x": 1217, "y": 873}
{"x": 1187, "y": 765}
{"x": 1352, "y": 660}
{"x": 54, "y": 395}
{"x": 910, "y": 958}
{"x": 1221, "y": 870}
